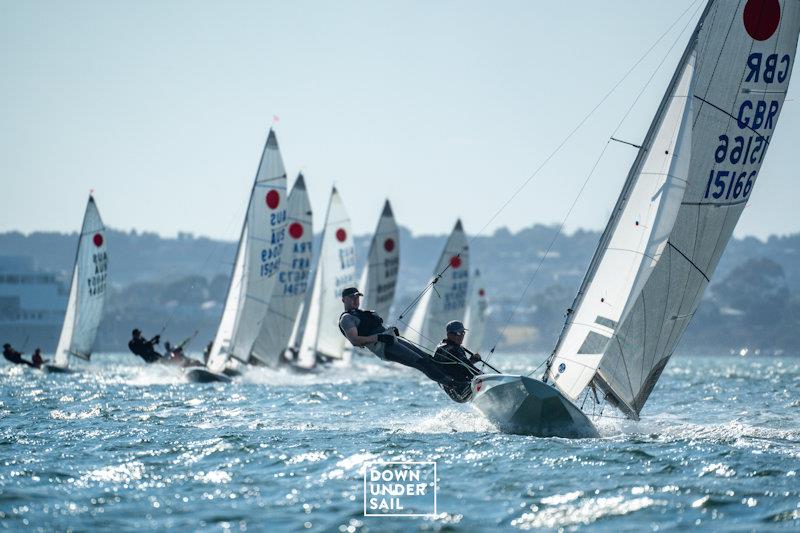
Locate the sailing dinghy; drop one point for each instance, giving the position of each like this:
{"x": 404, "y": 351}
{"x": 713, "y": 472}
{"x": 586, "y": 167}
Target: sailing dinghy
{"x": 87, "y": 293}
{"x": 336, "y": 270}
{"x": 687, "y": 187}
{"x": 254, "y": 270}
{"x": 446, "y": 300}
{"x": 292, "y": 283}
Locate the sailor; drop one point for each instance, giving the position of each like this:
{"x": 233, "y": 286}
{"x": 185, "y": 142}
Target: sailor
{"x": 450, "y": 352}
{"x": 207, "y": 352}
{"x": 365, "y": 329}
{"x": 14, "y": 356}
{"x": 36, "y": 359}
{"x": 144, "y": 348}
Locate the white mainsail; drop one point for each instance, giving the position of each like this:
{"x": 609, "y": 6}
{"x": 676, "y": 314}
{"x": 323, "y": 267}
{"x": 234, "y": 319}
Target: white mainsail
{"x": 257, "y": 261}
{"x": 336, "y": 270}
{"x": 477, "y": 310}
{"x": 379, "y": 279}
{"x": 293, "y": 279}
{"x": 447, "y": 299}
{"x": 680, "y": 203}
{"x": 87, "y": 292}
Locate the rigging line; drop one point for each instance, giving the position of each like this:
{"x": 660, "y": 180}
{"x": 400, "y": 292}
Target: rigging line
{"x": 619, "y": 125}
{"x": 567, "y": 138}
{"x": 430, "y": 285}
{"x": 639, "y": 146}
{"x": 689, "y": 260}
{"x": 746, "y": 126}
{"x": 584, "y": 119}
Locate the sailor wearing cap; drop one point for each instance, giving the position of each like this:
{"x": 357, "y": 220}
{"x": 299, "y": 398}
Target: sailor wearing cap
{"x": 450, "y": 351}
{"x": 365, "y": 329}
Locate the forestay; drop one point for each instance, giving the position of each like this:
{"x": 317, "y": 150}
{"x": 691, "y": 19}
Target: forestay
{"x": 336, "y": 270}
{"x": 379, "y": 279}
{"x": 87, "y": 292}
{"x": 447, "y": 299}
{"x": 476, "y": 314}
{"x": 293, "y": 279}
{"x": 257, "y": 261}
{"x": 680, "y": 204}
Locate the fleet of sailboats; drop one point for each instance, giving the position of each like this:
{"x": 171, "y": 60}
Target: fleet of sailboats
{"x": 684, "y": 193}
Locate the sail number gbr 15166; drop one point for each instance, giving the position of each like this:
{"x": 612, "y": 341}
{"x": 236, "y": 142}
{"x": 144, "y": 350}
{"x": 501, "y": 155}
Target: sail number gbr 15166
{"x": 734, "y": 183}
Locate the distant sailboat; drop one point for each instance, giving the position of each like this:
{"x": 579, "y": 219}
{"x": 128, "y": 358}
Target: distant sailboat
{"x": 684, "y": 194}
{"x": 87, "y": 293}
{"x": 336, "y": 270}
{"x": 292, "y": 283}
{"x": 477, "y": 309}
{"x": 447, "y": 299}
{"x": 255, "y": 269}
{"x": 379, "y": 279}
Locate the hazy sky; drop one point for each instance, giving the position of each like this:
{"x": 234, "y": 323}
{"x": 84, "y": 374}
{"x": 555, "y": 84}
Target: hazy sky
{"x": 445, "y": 107}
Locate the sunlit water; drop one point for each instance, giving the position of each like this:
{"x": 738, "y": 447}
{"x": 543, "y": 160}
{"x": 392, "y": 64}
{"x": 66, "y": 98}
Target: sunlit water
{"x": 125, "y": 446}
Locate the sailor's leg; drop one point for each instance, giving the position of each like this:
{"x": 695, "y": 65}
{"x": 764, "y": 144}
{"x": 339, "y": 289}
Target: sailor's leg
{"x": 409, "y": 355}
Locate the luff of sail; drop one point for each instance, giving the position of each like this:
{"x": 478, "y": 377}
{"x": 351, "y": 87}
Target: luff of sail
{"x": 293, "y": 279}
{"x": 379, "y": 280}
{"x": 727, "y": 137}
{"x": 87, "y": 292}
{"x": 447, "y": 299}
{"x": 336, "y": 270}
{"x": 257, "y": 261}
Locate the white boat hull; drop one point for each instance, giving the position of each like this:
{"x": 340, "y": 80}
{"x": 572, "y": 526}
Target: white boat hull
{"x": 526, "y": 406}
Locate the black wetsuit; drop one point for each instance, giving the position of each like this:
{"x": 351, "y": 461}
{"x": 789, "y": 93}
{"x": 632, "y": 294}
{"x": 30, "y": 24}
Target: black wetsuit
{"x": 15, "y": 357}
{"x": 454, "y": 359}
{"x": 144, "y": 349}
{"x": 400, "y": 350}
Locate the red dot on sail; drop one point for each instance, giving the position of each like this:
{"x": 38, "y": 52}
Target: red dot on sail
{"x": 273, "y": 199}
{"x": 295, "y": 230}
{"x": 341, "y": 235}
{"x": 761, "y": 18}
{"x": 481, "y": 292}
{"x": 455, "y": 261}
{"x": 388, "y": 245}
{"x": 97, "y": 240}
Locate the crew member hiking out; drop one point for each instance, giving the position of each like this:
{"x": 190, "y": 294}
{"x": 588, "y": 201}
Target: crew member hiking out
{"x": 462, "y": 367}
{"x": 14, "y": 356}
{"x": 36, "y": 359}
{"x": 365, "y": 329}
{"x": 144, "y": 348}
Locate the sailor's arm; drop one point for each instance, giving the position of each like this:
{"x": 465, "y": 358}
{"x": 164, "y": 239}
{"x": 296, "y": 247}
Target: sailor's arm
{"x": 358, "y": 340}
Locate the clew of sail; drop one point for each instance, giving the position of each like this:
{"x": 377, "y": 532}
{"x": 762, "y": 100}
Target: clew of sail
{"x": 87, "y": 292}
{"x": 379, "y": 279}
{"x": 477, "y": 310}
{"x": 683, "y": 197}
{"x": 257, "y": 261}
{"x": 447, "y": 299}
{"x": 336, "y": 270}
{"x": 293, "y": 279}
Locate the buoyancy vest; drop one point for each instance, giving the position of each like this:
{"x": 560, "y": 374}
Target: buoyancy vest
{"x": 369, "y": 322}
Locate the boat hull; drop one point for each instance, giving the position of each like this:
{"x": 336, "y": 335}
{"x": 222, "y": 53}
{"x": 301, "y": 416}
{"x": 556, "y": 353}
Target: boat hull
{"x": 526, "y": 406}
{"x": 201, "y": 375}
{"x": 52, "y": 369}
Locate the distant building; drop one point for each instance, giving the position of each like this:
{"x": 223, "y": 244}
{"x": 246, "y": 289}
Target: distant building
{"x": 32, "y": 304}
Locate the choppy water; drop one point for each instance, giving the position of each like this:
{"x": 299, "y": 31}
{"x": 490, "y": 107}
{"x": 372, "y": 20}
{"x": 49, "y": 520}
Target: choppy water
{"x": 125, "y": 446}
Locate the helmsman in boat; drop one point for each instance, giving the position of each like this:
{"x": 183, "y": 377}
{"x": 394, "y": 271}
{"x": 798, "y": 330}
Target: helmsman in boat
{"x": 14, "y": 356}
{"x": 365, "y": 329}
{"x": 450, "y": 352}
{"x": 145, "y": 348}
